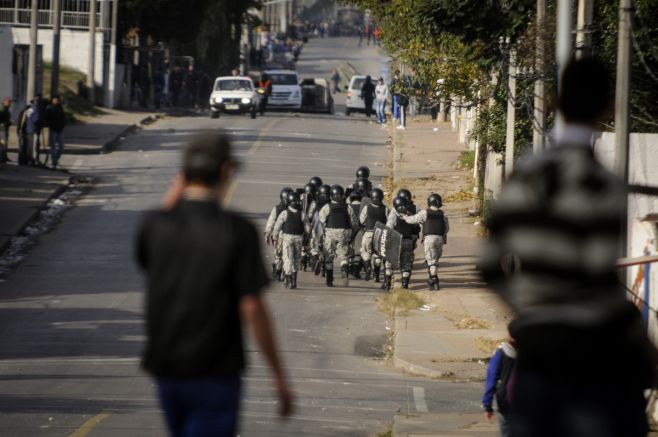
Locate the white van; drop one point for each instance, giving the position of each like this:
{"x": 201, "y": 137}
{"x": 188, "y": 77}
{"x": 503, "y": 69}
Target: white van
{"x": 286, "y": 90}
{"x": 354, "y": 102}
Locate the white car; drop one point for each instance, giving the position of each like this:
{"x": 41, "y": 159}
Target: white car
{"x": 286, "y": 90}
{"x": 234, "y": 94}
{"x": 354, "y": 102}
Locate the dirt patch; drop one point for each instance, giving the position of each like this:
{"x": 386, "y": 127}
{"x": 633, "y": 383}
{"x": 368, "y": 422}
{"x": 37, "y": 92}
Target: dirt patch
{"x": 487, "y": 345}
{"x": 399, "y": 300}
{"x": 471, "y": 323}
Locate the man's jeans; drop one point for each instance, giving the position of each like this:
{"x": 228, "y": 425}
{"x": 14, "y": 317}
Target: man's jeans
{"x": 396, "y": 108}
{"x": 381, "y": 108}
{"x": 56, "y": 143}
{"x": 199, "y": 407}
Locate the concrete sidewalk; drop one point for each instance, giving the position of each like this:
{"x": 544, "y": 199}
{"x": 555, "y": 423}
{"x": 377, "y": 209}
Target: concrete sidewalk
{"x": 25, "y": 190}
{"x": 456, "y": 332}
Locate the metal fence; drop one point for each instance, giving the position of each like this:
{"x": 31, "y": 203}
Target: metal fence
{"x": 75, "y": 13}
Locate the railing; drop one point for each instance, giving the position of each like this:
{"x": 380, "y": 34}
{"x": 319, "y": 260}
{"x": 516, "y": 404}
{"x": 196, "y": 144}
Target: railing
{"x": 75, "y": 14}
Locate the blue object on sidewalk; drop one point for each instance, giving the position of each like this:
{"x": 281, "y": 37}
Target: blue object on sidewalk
{"x": 199, "y": 407}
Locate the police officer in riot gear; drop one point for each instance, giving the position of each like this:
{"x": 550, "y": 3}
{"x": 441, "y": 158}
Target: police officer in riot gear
{"x": 363, "y": 186}
{"x": 339, "y": 223}
{"x": 395, "y": 220}
{"x": 370, "y": 214}
{"x": 317, "y": 252}
{"x": 435, "y": 234}
{"x": 363, "y": 172}
{"x": 411, "y": 210}
{"x": 355, "y": 264}
{"x": 316, "y": 181}
{"x": 277, "y": 265}
{"x": 292, "y": 225}
{"x": 309, "y": 206}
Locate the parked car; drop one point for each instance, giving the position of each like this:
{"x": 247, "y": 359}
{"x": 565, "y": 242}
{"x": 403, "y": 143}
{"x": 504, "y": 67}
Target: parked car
{"x": 354, "y": 102}
{"x": 234, "y": 94}
{"x": 316, "y": 96}
{"x": 286, "y": 91}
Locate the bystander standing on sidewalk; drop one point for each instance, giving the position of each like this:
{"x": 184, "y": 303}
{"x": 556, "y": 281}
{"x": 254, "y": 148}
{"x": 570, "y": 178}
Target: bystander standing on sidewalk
{"x": 28, "y": 129}
{"x": 56, "y": 120}
{"x": 499, "y": 371}
{"x": 584, "y": 359}
{"x": 368, "y": 95}
{"x": 403, "y": 103}
{"x": 5, "y": 124}
{"x": 381, "y": 96}
{"x": 395, "y": 89}
{"x": 200, "y": 294}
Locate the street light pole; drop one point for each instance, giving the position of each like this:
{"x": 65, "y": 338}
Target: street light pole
{"x": 91, "y": 67}
{"x": 54, "y": 78}
{"x": 511, "y": 115}
{"x": 562, "y": 51}
{"x": 32, "y": 56}
{"x": 539, "y": 109}
{"x": 622, "y": 90}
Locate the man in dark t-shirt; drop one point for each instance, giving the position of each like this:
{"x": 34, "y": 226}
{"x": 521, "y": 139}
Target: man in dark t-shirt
{"x": 205, "y": 278}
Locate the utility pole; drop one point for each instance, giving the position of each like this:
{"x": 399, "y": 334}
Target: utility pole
{"x": 91, "y": 68}
{"x": 511, "y": 115}
{"x": 583, "y": 24}
{"x": 112, "y": 98}
{"x": 32, "y": 56}
{"x": 562, "y": 51}
{"x": 539, "y": 122}
{"x": 283, "y": 16}
{"x": 622, "y": 91}
{"x": 57, "y": 22}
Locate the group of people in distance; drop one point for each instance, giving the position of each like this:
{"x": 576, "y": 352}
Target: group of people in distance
{"x": 315, "y": 226}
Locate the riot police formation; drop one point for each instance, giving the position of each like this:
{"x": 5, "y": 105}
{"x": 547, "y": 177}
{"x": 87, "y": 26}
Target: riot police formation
{"x": 291, "y": 226}
{"x": 273, "y": 239}
{"x": 435, "y": 234}
{"x": 319, "y": 226}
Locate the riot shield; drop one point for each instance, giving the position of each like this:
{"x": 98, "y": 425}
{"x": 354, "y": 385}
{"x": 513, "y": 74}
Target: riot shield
{"x": 387, "y": 243}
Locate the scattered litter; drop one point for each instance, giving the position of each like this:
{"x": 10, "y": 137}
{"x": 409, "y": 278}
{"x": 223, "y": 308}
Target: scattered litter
{"x": 388, "y": 328}
{"x": 122, "y": 138}
{"x": 436, "y": 129}
{"x": 425, "y": 307}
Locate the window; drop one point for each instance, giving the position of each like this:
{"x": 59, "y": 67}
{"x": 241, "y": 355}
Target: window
{"x": 283, "y": 79}
{"x": 233, "y": 85}
{"x": 358, "y": 84}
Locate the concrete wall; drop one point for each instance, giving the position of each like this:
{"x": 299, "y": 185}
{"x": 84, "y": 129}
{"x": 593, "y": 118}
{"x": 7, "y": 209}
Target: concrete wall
{"x": 642, "y": 213}
{"x": 6, "y": 53}
{"x": 493, "y": 174}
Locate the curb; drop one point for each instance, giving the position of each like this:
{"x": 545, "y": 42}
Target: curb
{"x": 111, "y": 145}
{"x": 55, "y": 194}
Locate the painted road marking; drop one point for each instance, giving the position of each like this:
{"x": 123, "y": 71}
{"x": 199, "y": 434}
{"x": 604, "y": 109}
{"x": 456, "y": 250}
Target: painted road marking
{"x": 254, "y": 147}
{"x": 419, "y": 399}
{"x": 229, "y": 193}
{"x": 89, "y": 425}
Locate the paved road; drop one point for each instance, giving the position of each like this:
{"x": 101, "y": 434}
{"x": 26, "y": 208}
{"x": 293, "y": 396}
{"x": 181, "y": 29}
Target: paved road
{"x": 71, "y": 325}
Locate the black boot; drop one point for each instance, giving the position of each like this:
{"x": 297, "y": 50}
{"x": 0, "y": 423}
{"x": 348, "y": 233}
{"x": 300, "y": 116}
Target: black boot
{"x": 286, "y": 281}
{"x": 293, "y": 281}
{"x": 324, "y": 270}
{"x": 304, "y": 262}
{"x": 436, "y": 282}
{"x": 368, "y": 272}
{"x": 330, "y": 278}
{"x": 430, "y": 283}
{"x": 344, "y": 274}
{"x": 280, "y": 275}
{"x": 317, "y": 266}
{"x": 274, "y": 275}
{"x": 356, "y": 269}
{"x": 378, "y": 270}
{"x": 405, "y": 283}
{"x": 387, "y": 283}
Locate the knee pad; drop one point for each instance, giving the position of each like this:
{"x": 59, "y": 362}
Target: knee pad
{"x": 357, "y": 258}
{"x": 406, "y": 274}
{"x": 378, "y": 261}
{"x": 433, "y": 269}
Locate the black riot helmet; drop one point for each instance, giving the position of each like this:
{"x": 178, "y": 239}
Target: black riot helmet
{"x": 294, "y": 200}
{"x": 284, "y": 194}
{"x": 310, "y": 190}
{"x": 377, "y": 196}
{"x": 435, "y": 200}
{"x": 316, "y": 181}
{"x": 403, "y": 192}
{"x": 400, "y": 204}
{"x": 337, "y": 193}
{"x": 355, "y": 196}
{"x": 363, "y": 172}
{"x": 364, "y": 186}
{"x": 325, "y": 190}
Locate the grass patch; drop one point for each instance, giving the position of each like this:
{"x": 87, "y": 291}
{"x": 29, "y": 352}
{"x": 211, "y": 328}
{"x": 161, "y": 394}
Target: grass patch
{"x": 487, "y": 345}
{"x": 471, "y": 323}
{"x": 461, "y": 196}
{"x": 387, "y": 433}
{"x": 466, "y": 160}
{"x": 399, "y": 299}
{"x": 75, "y": 106}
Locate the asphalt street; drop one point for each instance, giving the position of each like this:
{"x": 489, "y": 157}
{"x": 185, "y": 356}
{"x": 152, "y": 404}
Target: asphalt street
{"x": 71, "y": 325}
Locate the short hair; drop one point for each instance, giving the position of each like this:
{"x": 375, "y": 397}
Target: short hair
{"x": 584, "y": 90}
{"x": 205, "y": 157}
